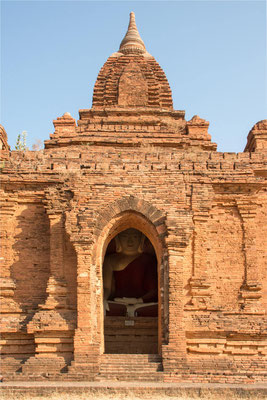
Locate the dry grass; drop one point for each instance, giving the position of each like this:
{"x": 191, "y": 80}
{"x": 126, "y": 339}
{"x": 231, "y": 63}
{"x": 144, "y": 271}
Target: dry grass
{"x": 131, "y": 397}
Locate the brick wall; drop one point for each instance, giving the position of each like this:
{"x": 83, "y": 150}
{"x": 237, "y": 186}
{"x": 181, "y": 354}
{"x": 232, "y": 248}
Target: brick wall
{"x": 133, "y": 161}
{"x": 211, "y": 213}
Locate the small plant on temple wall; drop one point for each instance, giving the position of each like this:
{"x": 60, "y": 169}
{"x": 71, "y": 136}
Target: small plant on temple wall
{"x": 21, "y": 142}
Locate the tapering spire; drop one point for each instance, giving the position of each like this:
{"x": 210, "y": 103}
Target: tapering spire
{"x": 132, "y": 42}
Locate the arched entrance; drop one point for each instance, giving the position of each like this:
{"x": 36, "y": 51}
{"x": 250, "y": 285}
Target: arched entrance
{"x": 132, "y": 213}
{"x": 130, "y": 286}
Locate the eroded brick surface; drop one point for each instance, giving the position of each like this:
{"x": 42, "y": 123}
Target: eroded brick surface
{"x": 133, "y": 161}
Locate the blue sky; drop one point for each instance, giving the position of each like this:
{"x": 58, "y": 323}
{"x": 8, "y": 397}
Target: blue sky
{"x": 213, "y": 54}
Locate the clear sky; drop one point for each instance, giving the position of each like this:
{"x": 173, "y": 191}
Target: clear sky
{"x": 213, "y": 54}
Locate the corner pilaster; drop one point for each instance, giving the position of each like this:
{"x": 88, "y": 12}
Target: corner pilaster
{"x": 53, "y": 325}
{"x": 7, "y": 283}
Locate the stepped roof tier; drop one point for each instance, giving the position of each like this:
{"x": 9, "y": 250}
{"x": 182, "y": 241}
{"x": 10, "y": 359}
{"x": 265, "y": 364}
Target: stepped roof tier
{"x": 132, "y": 96}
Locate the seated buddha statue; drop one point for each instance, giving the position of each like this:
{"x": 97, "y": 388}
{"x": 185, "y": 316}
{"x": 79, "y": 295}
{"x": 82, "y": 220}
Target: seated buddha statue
{"x": 130, "y": 277}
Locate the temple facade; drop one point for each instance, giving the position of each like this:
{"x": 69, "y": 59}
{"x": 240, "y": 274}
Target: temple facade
{"x": 130, "y": 234}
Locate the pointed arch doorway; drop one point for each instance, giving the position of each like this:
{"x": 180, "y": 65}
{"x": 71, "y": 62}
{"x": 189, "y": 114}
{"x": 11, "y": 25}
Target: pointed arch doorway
{"x": 130, "y": 284}
{"x": 134, "y": 330}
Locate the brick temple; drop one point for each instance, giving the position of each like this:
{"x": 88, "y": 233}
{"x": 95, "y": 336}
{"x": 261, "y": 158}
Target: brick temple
{"x": 132, "y": 168}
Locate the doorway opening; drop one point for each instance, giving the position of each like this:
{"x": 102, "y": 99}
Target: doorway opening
{"x": 130, "y": 289}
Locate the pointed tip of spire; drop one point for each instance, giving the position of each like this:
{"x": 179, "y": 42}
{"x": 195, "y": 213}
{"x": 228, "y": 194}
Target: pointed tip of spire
{"x": 132, "y": 42}
{"x": 132, "y": 17}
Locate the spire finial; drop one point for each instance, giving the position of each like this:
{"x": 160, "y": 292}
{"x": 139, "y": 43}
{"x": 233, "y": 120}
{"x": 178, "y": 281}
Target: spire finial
{"x": 132, "y": 42}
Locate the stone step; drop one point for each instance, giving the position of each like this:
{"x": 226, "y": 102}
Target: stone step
{"x": 144, "y": 377}
{"x": 122, "y": 366}
{"x": 130, "y": 363}
{"x": 139, "y": 357}
{"x": 130, "y": 367}
{"x": 118, "y": 363}
{"x": 131, "y": 370}
{"x": 150, "y": 366}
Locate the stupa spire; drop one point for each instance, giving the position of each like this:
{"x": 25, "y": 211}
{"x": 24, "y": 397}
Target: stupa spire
{"x": 132, "y": 42}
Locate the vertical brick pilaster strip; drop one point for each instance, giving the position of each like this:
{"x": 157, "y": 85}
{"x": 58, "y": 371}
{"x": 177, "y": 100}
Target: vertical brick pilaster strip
{"x": 201, "y": 196}
{"x": 251, "y": 289}
{"x": 56, "y": 245}
{"x": 7, "y": 284}
{"x": 177, "y": 242}
{"x": 199, "y": 284}
{"x": 86, "y": 339}
{"x": 56, "y": 287}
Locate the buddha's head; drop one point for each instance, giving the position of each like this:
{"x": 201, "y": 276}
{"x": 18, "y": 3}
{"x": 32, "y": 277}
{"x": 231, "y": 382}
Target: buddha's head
{"x": 130, "y": 242}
